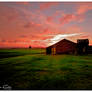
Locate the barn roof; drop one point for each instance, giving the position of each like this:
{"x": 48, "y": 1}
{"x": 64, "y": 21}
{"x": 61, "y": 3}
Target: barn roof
{"x": 61, "y": 42}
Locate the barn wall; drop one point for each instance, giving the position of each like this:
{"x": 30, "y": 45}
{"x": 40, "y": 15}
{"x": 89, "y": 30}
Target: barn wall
{"x": 65, "y": 47}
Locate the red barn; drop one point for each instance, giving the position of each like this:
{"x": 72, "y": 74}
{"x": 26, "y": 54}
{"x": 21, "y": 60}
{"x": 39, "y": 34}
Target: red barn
{"x": 62, "y": 47}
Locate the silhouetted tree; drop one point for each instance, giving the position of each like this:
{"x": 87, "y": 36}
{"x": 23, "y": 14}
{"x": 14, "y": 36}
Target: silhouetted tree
{"x": 30, "y": 47}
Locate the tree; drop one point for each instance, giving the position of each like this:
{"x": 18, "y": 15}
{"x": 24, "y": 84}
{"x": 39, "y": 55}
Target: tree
{"x": 30, "y": 47}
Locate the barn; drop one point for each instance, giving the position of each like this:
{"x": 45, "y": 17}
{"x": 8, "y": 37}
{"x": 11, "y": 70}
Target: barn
{"x": 62, "y": 47}
{"x": 68, "y": 47}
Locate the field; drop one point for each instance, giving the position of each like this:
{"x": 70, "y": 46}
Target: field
{"x": 25, "y": 69}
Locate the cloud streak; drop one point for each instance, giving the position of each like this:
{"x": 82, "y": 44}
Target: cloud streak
{"x": 59, "y": 37}
{"x": 56, "y": 38}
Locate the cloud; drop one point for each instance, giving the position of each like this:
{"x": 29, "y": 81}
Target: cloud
{"x": 82, "y": 9}
{"x": 39, "y": 19}
{"x": 32, "y": 25}
{"x": 29, "y": 24}
{"x": 38, "y": 25}
{"x": 44, "y": 6}
{"x": 23, "y": 36}
{"x": 85, "y": 36}
{"x": 78, "y": 16}
{"x": 49, "y": 19}
{"x": 3, "y": 41}
{"x": 73, "y": 29}
{"x": 23, "y": 3}
{"x": 67, "y": 18}
{"x": 9, "y": 14}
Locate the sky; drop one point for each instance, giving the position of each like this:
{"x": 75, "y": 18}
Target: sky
{"x": 40, "y": 24}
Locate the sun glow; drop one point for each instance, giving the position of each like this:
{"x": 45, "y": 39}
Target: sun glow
{"x": 59, "y": 37}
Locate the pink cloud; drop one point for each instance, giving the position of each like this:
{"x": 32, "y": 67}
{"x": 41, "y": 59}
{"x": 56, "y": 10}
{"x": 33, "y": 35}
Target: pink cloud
{"x": 47, "y": 5}
{"x": 23, "y": 3}
{"x": 74, "y": 29}
{"x": 49, "y": 19}
{"x": 79, "y": 15}
{"x": 29, "y": 24}
{"x": 59, "y": 12}
{"x": 67, "y": 18}
{"x": 32, "y": 24}
{"x": 3, "y": 41}
{"x": 83, "y": 8}
{"x": 23, "y": 36}
{"x": 38, "y": 25}
{"x": 8, "y": 13}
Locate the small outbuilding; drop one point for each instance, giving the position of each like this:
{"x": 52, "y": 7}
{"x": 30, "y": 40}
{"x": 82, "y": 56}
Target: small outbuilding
{"x": 90, "y": 49}
{"x": 82, "y": 46}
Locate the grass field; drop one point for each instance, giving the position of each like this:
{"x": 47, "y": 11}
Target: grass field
{"x": 32, "y": 69}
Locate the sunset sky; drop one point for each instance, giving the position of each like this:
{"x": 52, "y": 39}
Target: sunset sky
{"x": 37, "y": 24}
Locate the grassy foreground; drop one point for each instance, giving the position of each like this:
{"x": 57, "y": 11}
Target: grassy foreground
{"x": 32, "y": 69}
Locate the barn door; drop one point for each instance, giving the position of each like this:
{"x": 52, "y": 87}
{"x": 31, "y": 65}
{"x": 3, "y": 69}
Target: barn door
{"x": 53, "y": 50}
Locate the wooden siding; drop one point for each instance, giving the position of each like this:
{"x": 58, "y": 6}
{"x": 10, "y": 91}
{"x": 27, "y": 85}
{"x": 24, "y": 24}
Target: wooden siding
{"x": 66, "y": 47}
